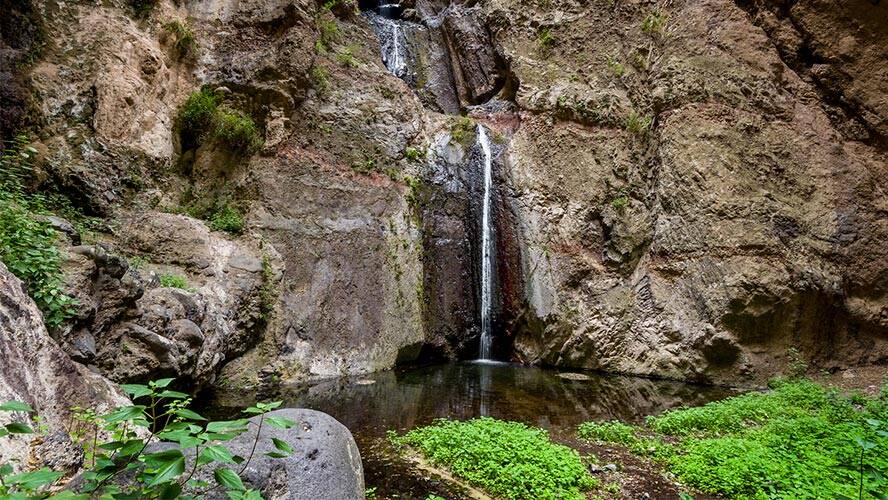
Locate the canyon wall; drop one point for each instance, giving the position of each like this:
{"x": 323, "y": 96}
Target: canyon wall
{"x": 686, "y": 189}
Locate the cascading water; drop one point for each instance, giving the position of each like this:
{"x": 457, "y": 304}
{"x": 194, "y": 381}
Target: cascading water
{"x": 392, "y": 37}
{"x": 486, "y": 249}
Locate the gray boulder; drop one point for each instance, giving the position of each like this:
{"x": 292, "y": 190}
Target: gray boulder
{"x": 326, "y": 463}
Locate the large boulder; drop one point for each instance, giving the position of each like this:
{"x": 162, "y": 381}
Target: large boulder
{"x": 36, "y": 371}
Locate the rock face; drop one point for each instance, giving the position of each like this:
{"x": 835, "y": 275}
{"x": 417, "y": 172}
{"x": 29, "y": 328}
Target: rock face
{"x": 686, "y": 190}
{"x": 37, "y": 372}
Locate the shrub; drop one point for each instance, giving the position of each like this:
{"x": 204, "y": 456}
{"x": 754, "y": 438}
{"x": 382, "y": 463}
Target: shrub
{"x": 237, "y": 131}
{"x": 461, "y": 129}
{"x": 227, "y": 218}
{"x": 328, "y": 34}
{"x": 163, "y": 415}
{"x": 196, "y": 115}
{"x": 183, "y": 38}
{"x": 27, "y": 241}
{"x": 203, "y": 117}
{"x": 173, "y": 281}
{"x": 506, "y": 459}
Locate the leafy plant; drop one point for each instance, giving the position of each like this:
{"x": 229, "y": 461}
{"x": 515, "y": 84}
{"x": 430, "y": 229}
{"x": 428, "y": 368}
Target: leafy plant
{"x": 506, "y": 459}
{"x": 237, "y": 130}
{"x": 797, "y": 441}
{"x": 461, "y": 129}
{"x": 414, "y": 154}
{"x": 638, "y": 124}
{"x": 320, "y": 79}
{"x": 203, "y": 117}
{"x": 163, "y": 415}
{"x": 328, "y": 34}
{"x": 612, "y": 432}
{"x": 654, "y": 23}
{"x": 545, "y": 40}
{"x": 173, "y": 281}
{"x": 27, "y": 241}
{"x": 227, "y": 218}
{"x": 615, "y": 66}
{"x": 346, "y": 57}
{"x": 183, "y": 38}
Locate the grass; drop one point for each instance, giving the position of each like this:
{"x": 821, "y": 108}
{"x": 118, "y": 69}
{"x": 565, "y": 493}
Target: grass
{"x": 328, "y": 35}
{"x": 414, "y": 154}
{"x": 506, "y": 459}
{"x": 654, "y": 23}
{"x": 346, "y": 57}
{"x": 799, "y": 440}
{"x": 320, "y": 79}
{"x": 183, "y": 38}
{"x": 545, "y": 40}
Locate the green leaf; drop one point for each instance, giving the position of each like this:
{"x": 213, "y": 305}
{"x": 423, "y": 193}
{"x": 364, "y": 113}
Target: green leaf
{"x": 228, "y": 479}
{"x": 16, "y": 406}
{"x": 69, "y": 495}
{"x": 173, "y": 395}
{"x": 3, "y": 432}
{"x": 169, "y": 470}
{"x": 34, "y": 480}
{"x": 18, "y": 428}
{"x": 190, "y": 415}
{"x": 283, "y": 423}
{"x": 161, "y": 383}
{"x": 282, "y": 445}
{"x": 136, "y": 390}
{"x": 215, "y": 453}
{"x": 276, "y": 454}
{"x": 159, "y": 459}
{"x": 124, "y": 413}
{"x": 227, "y": 426}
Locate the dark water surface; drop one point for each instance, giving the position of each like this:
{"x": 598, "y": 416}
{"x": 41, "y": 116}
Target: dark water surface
{"x": 400, "y": 400}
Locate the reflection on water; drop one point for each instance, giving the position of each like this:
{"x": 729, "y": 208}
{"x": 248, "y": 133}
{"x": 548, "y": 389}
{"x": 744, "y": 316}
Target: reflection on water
{"x": 404, "y": 399}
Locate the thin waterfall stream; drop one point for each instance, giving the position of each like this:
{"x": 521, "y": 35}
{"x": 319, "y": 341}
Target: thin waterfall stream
{"x": 486, "y": 249}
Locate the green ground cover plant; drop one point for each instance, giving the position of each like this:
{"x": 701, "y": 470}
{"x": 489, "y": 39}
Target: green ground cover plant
{"x": 173, "y": 281}
{"x": 506, "y": 459}
{"x": 204, "y": 117}
{"x": 799, "y": 440}
{"x": 114, "y": 448}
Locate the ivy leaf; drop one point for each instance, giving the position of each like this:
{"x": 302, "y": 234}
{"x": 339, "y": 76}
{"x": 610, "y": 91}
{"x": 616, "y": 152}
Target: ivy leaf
{"x": 15, "y": 406}
{"x": 283, "y": 423}
{"x": 33, "y": 480}
{"x": 18, "y": 428}
{"x": 228, "y": 479}
{"x": 215, "y": 453}
{"x": 136, "y": 390}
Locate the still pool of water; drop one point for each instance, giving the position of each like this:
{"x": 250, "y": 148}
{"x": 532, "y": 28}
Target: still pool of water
{"x": 403, "y": 399}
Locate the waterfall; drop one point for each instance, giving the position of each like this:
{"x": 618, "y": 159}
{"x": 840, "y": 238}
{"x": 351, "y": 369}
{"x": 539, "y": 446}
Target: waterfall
{"x": 486, "y": 248}
{"x": 392, "y": 34}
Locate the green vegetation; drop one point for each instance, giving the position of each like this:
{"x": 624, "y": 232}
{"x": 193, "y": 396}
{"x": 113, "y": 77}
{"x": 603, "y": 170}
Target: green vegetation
{"x": 227, "y": 218}
{"x": 620, "y": 201}
{"x": 545, "y": 40}
{"x": 414, "y": 154}
{"x": 328, "y": 34}
{"x": 27, "y": 240}
{"x": 654, "y": 23}
{"x": 203, "y": 117}
{"x": 320, "y": 79}
{"x": 173, "y": 281}
{"x": 799, "y": 440}
{"x": 615, "y": 66}
{"x": 346, "y": 57}
{"x": 163, "y": 415}
{"x": 183, "y": 38}
{"x": 506, "y": 459}
{"x": 638, "y": 124}
{"x": 461, "y": 129}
